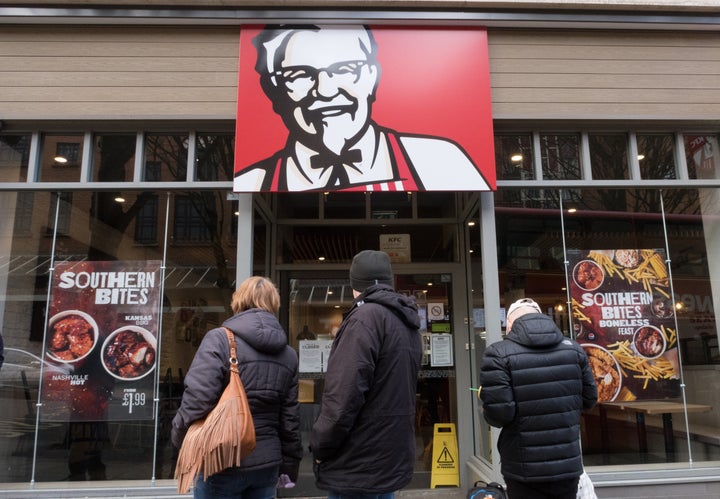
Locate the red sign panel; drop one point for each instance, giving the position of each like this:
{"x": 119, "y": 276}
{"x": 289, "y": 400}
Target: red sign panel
{"x": 359, "y": 108}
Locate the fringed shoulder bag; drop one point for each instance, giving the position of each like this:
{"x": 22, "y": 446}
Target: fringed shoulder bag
{"x": 220, "y": 439}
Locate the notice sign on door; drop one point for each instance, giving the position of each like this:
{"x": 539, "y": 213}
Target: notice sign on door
{"x": 314, "y": 355}
{"x": 101, "y": 341}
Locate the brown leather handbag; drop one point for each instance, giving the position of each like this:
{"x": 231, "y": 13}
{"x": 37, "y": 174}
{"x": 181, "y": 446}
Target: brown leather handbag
{"x": 220, "y": 439}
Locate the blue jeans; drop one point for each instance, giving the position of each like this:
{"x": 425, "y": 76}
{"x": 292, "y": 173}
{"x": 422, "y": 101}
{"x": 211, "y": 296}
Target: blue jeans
{"x": 389, "y": 495}
{"x": 234, "y": 483}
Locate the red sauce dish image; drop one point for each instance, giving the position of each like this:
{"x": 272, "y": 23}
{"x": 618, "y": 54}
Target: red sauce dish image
{"x": 72, "y": 335}
{"x": 129, "y": 353}
{"x": 588, "y": 275}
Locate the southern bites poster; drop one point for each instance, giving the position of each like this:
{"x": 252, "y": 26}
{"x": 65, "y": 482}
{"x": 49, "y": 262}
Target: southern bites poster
{"x": 624, "y": 318}
{"x": 101, "y": 341}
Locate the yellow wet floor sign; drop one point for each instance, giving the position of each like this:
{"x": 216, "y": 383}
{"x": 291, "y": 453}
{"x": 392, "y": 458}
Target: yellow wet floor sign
{"x": 445, "y": 470}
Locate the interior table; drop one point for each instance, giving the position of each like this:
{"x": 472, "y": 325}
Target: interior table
{"x": 666, "y": 408}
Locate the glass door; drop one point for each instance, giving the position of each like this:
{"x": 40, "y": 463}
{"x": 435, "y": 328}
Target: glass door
{"x": 313, "y": 314}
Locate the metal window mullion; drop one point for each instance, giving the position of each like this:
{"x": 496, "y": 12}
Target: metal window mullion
{"x": 681, "y": 157}
{"x": 139, "y": 156}
{"x": 192, "y": 151}
{"x": 33, "y": 173}
{"x": 633, "y": 162}
{"x": 85, "y": 161}
{"x": 537, "y": 155}
{"x": 585, "y": 161}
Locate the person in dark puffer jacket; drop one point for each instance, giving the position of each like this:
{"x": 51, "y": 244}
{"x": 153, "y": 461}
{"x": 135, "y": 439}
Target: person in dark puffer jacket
{"x": 363, "y": 441}
{"x": 269, "y": 372}
{"x": 535, "y": 383}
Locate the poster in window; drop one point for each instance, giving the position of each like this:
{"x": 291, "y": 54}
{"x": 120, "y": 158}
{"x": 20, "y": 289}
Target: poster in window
{"x": 623, "y": 316}
{"x": 101, "y": 341}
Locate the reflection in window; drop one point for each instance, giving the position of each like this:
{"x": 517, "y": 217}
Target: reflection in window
{"x": 113, "y": 157}
{"x": 146, "y": 222}
{"x": 560, "y": 156}
{"x": 214, "y": 157}
{"x": 190, "y": 216}
{"x": 608, "y": 156}
{"x": 513, "y": 157}
{"x": 23, "y": 212}
{"x": 67, "y": 153}
{"x": 350, "y": 205}
{"x": 60, "y": 158}
{"x": 703, "y": 156}
{"x": 169, "y": 154}
{"x": 63, "y": 212}
{"x": 656, "y": 155}
{"x": 14, "y": 156}
{"x": 435, "y": 204}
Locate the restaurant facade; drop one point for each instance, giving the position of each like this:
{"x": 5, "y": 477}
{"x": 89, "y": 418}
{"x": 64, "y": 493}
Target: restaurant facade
{"x": 126, "y": 136}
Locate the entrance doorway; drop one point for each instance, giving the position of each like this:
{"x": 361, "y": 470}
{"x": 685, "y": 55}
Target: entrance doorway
{"x": 313, "y": 312}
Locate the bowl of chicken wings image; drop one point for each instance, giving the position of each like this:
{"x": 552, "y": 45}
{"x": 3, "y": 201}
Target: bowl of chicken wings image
{"x": 129, "y": 353}
{"x": 72, "y": 335}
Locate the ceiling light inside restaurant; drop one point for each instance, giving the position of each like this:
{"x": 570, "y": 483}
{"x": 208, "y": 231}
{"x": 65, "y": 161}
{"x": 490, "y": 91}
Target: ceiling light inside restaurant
{"x": 119, "y": 199}
{"x": 516, "y": 158}
{"x": 60, "y": 159}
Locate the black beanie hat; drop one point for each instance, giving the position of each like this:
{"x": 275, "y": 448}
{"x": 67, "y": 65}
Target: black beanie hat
{"x": 370, "y": 267}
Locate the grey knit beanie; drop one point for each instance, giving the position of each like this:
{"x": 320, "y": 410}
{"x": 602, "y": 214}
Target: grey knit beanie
{"x": 370, "y": 267}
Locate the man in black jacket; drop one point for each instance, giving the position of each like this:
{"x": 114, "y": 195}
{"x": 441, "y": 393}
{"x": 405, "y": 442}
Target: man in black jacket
{"x": 535, "y": 383}
{"x": 363, "y": 441}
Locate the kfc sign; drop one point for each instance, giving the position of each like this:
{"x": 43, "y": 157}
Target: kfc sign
{"x": 355, "y": 108}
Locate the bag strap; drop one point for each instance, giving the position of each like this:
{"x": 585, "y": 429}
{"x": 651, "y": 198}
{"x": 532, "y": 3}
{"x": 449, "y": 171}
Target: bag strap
{"x": 233, "y": 351}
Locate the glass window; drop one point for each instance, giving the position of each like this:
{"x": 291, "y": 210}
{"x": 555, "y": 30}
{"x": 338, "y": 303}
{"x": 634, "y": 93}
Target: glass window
{"x": 560, "y": 155}
{"x": 61, "y": 156}
{"x": 349, "y": 205}
{"x": 702, "y": 153}
{"x": 85, "y": 432}
{"x": 391, "y": 205}
{"x": 60, "y": 211}
{"x": 339, "y": 243}
{"x": 436, "y": 204}
{"x": 514, "y": 157}
{"x": 608, "y": 156}
{"x": 298, "y": 204}
{"x": 656, "y": 155}
{"x": 191, "y": 219}
{"x": 113, "y": 158}
{"x": 668, "y": 335}
{"x": 146, "y": 222}
{"x": 214, "y": 157}
{"x": 166, "y": 157}
{"x": 14, "y": 157}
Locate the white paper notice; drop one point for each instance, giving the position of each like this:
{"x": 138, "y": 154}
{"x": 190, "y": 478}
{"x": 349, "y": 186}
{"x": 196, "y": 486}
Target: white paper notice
{"x": 441, "y": 350}
{"x": 314, "y": 355}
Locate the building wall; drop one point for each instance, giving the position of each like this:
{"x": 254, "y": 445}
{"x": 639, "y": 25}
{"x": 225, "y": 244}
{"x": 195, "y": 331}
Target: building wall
{"x": 113, "y": 72}
{"x": 69, "y": 72}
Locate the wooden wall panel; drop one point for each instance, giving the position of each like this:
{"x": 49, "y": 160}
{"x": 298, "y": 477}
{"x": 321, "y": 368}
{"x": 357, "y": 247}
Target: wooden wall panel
{"x": 611, "y": 75}
{"x": 116, "y": 72}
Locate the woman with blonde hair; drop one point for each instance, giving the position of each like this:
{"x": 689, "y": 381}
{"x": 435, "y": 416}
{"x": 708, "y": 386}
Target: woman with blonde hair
{"x": 269, "y": 371}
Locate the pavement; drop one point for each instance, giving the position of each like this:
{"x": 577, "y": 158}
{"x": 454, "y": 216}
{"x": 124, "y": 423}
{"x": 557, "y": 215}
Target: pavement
{"x": 163, "y": 489}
